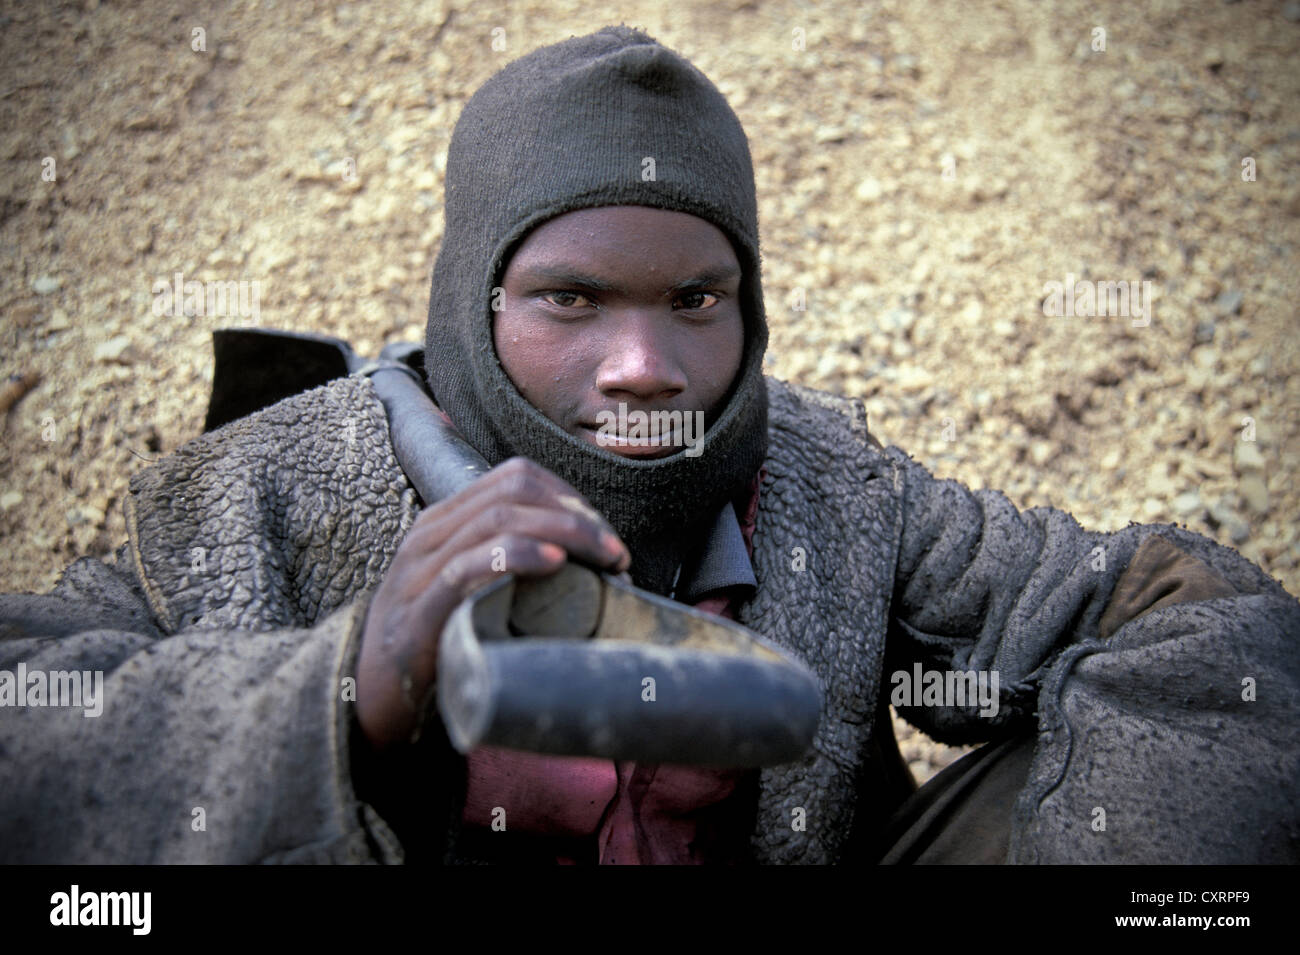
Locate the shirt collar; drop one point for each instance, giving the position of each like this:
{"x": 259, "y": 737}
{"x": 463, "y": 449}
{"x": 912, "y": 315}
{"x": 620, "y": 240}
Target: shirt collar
{"x": 724, "y": 561}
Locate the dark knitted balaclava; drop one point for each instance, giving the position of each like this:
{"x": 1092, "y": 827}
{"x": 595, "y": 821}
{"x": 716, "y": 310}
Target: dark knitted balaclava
{"x": 571, "y": 126}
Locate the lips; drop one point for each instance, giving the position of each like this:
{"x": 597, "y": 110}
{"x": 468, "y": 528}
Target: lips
{"x": 623, "y": 446}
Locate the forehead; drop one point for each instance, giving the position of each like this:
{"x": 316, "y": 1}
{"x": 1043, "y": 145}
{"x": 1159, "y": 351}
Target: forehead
{"x": 623, "y": 238}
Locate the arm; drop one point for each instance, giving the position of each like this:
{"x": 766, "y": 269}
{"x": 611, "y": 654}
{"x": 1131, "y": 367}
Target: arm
{"x": 206, "y": 745}
{"x": 1163, "y": 680}
{"x": 980, "y": 585}
{"x": 216, "y": 743}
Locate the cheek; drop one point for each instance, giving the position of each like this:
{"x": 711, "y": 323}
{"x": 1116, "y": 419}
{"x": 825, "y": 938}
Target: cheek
{"x": 717, "y": 361}
{"x": 518, "y": 347}
{"x": 535, "y": 353}
{"x": 509, "y": 339}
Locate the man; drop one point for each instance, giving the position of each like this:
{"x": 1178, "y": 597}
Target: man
{"x": 269, "y": 634}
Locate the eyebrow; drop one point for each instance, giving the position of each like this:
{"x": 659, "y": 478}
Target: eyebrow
{"x": 707, "y": 278}
{"x": 561, "y": 276}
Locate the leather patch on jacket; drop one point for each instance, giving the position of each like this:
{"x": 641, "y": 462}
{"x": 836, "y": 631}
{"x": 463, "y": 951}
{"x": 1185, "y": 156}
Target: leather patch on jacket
{"x": 1160, "y": 574}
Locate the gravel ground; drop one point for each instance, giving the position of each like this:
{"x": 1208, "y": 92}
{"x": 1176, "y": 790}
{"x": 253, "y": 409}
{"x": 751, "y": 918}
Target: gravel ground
{"x": 923, "y": 170}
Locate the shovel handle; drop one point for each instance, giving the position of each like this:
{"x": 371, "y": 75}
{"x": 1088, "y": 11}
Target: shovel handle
{"x": 439, "y": 464}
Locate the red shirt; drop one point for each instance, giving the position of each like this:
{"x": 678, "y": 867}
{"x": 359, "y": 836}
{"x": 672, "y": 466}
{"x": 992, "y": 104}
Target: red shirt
{"x": 638, "y": 814}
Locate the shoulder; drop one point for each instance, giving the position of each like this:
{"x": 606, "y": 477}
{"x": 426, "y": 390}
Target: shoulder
{"x": 312, "y": 438}
{"x": 802, "y": 417}
{"x": 259, "y": 522}
{"x": 827, "y": 479}
{"x": 345, "y": 407}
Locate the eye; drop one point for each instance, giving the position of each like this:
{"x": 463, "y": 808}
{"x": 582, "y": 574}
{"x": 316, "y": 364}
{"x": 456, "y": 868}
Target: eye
{"x": 697, "y": 300}
{"x": 568, "y": 300}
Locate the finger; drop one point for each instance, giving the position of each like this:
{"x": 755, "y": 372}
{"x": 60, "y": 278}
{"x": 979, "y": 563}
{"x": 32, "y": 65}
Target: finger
{"x": 518, "y": 480}
{"x": 583, "y": 540}
{"x": 524, "y": 556}
{"x": 419, "y": 564}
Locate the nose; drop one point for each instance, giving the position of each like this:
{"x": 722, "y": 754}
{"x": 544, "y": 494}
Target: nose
{"x": 640, "y": 362}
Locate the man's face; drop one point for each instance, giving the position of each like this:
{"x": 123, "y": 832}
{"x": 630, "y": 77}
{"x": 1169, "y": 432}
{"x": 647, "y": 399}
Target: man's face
{"x": 621, "y": 305}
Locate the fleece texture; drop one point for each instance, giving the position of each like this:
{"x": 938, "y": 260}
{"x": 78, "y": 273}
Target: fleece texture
{"x": 226, "y": 677}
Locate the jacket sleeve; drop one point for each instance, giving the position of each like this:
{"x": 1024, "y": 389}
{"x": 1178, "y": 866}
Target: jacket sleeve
{"x": 204, "y": 745}
{"x": 1159, "y": 667}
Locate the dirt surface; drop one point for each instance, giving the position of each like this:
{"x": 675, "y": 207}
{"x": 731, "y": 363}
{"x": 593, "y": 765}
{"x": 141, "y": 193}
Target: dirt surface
{"x": 923, "y": 171}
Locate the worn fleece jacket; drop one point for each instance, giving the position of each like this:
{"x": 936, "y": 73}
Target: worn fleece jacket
{"x": 228, "y": 629}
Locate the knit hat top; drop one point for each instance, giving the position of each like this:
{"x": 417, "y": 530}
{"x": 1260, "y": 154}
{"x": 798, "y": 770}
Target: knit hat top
{"x": 608, "y": 119}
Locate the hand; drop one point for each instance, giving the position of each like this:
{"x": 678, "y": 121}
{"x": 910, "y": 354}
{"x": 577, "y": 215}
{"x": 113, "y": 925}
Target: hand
{"x": 518, "y": 518}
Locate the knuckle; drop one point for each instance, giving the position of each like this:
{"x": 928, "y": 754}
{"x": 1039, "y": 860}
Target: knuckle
{"x": 525, "y": 480}
{"x": 497, "y": 516}
{"x": 425, "y": 520}
{"x": 452, "y": 572}
{"x": 518, "y": 468}
{"x": 518, "y": 463}
{"x": 575, "y": 525}
{"x": 461, "y": 571}
{"x": 521, "y": 485}
{"x": 514, "y": 544}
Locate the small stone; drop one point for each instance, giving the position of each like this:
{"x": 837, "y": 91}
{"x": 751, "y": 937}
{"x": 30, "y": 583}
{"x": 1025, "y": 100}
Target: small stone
{"x": 1228, "y": 302}
{"x": 869, "y": 190}
{"x": 1254, "y": 493}
{"x": 1187, "y": 503}
{"x": 224, "y": 258}
{"x": 896, "y": 320}
{"x": 71, "y": 149}
{"x": 1205, "y": 331}
{"x": 1222, "y": 515}
{"x": 911, "y": 378}
{"x": 113, "y": 350}
{"x": 85, "y": 514}
{"x": 1212, "y": 467}
{"x": 900, "y": 349}
{"x": 1246, "y": 457}
{"x": 1040, "y": 452}
{"x": 310, "y": 171}
{"x": 58, "y": 321}
{"x": 46, "y": 284}
{"x": 1104, "y": 375}
{"x": 1196, "y": 380}
{"x": 276, "y": 256}
{"x": 907, "y": 65}
{"x": 827, "y": 366}
{"x": 10, "y": 499}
